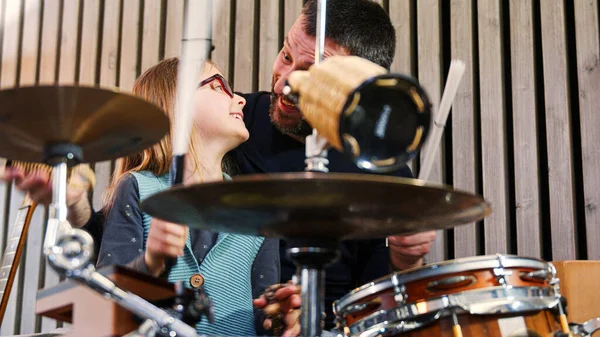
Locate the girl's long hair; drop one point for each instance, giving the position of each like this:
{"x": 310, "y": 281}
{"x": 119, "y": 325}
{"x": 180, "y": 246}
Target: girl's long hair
{"x": 157, "y": 85}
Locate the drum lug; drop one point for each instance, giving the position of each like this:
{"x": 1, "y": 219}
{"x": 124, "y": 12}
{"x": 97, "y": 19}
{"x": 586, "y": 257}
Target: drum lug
{"x": 400, "y": 295}
{"x": 501, "y": 274}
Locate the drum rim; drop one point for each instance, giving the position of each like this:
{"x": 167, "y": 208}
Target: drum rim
{"x": 440, "y": 268}
{"x": 442, "y": 303}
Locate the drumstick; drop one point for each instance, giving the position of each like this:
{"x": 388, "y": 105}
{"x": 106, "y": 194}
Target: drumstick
{"x": 457, "y": 69}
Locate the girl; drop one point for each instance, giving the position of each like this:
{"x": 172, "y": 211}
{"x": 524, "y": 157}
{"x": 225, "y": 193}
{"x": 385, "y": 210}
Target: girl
{"x": 233, "y": 269}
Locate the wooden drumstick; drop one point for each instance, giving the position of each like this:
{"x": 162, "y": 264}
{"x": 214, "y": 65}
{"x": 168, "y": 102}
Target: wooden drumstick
{"x": 456, "y": 329}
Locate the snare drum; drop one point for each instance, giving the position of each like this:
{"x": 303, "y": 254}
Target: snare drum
{"x": 480, "y": 296}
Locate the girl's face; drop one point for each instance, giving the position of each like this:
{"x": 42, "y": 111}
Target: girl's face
{"x": 218, "y": 111}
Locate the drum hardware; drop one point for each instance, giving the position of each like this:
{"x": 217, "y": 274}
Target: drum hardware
{"x": 399, "y": 290}
{"x": 449, "y": 282}
{"x": 586, "y": 329}
{"x": 57, "y": 125}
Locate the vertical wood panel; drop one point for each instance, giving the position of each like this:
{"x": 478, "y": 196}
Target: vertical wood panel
{"x": 110, "y": 43}
{"x": 492, "y": 125}
{"x": 129, "y": 45}
{"x": 401, "y": 19}
{"x": 244, "y": 46}
{"x": 292, "y": 11}
{"x": 464, "y": 151}
{"x": 29, "y": 48}
{"x": 9, "y": 326}
{"x": 10, "y": 44}
{"x": 588, "y": 74}
{"x": 430, "y": 68}
{"x": 269, "y": 42}
{"x": 174, "y": 27}
{"x": 221, "y": 35}
{"x": 89, "y": 42}
{"x": 558, "y": 132}
{"x": 527, "y": 196}
{"x": 48, "y": 52}
{"x": 68, "y": 42}
{"x": 151, "y": 32}
{"x": 33, "y": 258}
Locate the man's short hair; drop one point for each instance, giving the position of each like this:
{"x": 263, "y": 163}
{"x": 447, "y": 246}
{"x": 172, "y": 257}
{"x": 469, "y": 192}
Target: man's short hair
{"x": 360, "y": 26}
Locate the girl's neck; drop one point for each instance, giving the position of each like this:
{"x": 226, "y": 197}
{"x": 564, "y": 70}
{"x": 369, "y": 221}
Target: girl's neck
{"x": 209, "y": 166}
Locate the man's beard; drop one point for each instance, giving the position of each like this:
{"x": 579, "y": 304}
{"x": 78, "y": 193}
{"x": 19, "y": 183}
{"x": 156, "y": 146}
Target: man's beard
{"x": 302, "y": 129}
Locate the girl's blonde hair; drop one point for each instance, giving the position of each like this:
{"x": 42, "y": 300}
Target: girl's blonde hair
{"x": 157, "y": 85}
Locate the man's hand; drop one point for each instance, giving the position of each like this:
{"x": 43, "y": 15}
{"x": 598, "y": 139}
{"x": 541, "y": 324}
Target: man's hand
{"x": 408, "y": 251}
{"x": 165, "y": 240}
{"x": 281, "y": 301}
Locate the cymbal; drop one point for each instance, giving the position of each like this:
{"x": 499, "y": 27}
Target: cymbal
{"x": 105, "y": 124}
{"x": 323, "y": 206}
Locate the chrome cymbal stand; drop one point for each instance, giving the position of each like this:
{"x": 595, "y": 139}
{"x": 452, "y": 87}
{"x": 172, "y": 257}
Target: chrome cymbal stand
{"x": 69, "y": 251}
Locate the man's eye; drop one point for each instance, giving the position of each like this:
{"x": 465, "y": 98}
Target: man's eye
{"x": 286, "y": 57}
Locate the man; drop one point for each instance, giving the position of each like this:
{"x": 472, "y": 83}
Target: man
{"x": 277, "y": 133}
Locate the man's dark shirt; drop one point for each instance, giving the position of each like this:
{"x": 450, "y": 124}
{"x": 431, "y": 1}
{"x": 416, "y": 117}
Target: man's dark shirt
{"x": 270, "y": 151}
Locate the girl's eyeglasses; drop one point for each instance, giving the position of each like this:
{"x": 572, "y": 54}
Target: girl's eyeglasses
{"x": 222, "y": 81}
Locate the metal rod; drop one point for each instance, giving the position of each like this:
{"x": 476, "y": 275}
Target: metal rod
{"x": 321, "y": 24}
{"x": 57, "y": 217}
{"x": 312, "y": 292}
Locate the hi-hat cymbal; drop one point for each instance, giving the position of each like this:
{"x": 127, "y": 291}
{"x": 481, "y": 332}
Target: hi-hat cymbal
{"x": 105, "y": 124}
{"x": 318, "y": 206}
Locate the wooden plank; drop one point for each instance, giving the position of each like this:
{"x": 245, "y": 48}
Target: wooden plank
{"x": 464, "y": 149}
{"x": 33, "y": 259}
{"x": 31, "y": 38}
{"x": 110, "y": 43}
{"x": 129, "y": 45}
{"x": 524, "y": 107}
{"x": 558, "y": 126}
{"x": 9, "y": 326}
{"x": 400, "y": 15}
{"x": 492, "y": 125}
{"x": 269, "y": 42}
{"x": 221, "y": 36}
{"x": 588, "y": 75}
{"x": 174, "y": 27}
{"x": 103, "y": 171}
{"x": 150, "y": 33}
{"x": 430, "y": 70}
{"x": 89, "y": 42}
{"x": 49, "y": 48}
{"x": 244, "y": 46}
{"x": 51, "y": 279}
{"x": 68, "y": 42}
{"x": 4, "y": 212}
{"x": 291, "y": 12}
{"x": 10, "y": 44}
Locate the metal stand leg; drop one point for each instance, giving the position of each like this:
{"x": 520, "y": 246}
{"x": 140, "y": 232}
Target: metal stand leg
{"x": 311, "y": 262}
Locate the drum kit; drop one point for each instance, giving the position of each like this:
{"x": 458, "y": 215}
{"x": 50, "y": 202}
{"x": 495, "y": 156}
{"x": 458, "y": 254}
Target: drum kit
{"x": 481, "y": 296}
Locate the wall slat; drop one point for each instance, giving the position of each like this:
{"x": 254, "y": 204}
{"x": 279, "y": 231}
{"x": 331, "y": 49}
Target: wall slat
{"x": 129, "y": 45}
{"x": 244, "y": 46}
{"x": 588, "y": 74}
{"x": 292, "y": 11}
{"x": 10, "y": 44}
{"x": 527, "y": 195}
{"x": 150, "y": 33}
{"x": 29, "y": 49}
{"x": 269, "y": 42}
{"x": 464, "y": 150}
{"x": 558, "y": 132}
{"x": 8, "y": 326}
{"x": 430, "y": 76}
{"x": 68, "y": 42}
{"x": 48, "y": 52}
{"x": 400, "y": 11}
{"x": 89, "y": 42}
{"x": 492, "y": 125}
{"x": 221, "y": 55}
{"x": 110, "y": 43}
{"x": 174, "y": 28}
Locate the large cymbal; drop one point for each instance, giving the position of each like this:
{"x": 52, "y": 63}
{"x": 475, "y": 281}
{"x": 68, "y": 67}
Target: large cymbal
{"x": 307, "y": 205}
{"x": 105, "y": 124}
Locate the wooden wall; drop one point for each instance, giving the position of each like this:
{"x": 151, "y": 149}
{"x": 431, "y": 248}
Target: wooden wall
{"x": 524, "y": 130}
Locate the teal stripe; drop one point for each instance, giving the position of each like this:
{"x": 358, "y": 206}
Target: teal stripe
{"x": 226, "y": 269}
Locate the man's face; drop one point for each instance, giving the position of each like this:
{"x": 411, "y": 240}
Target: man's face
{"x": 298, "y": 53}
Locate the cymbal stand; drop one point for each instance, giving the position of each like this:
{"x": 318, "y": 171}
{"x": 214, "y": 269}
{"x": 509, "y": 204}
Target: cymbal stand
{"x": 69, "y": 250}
